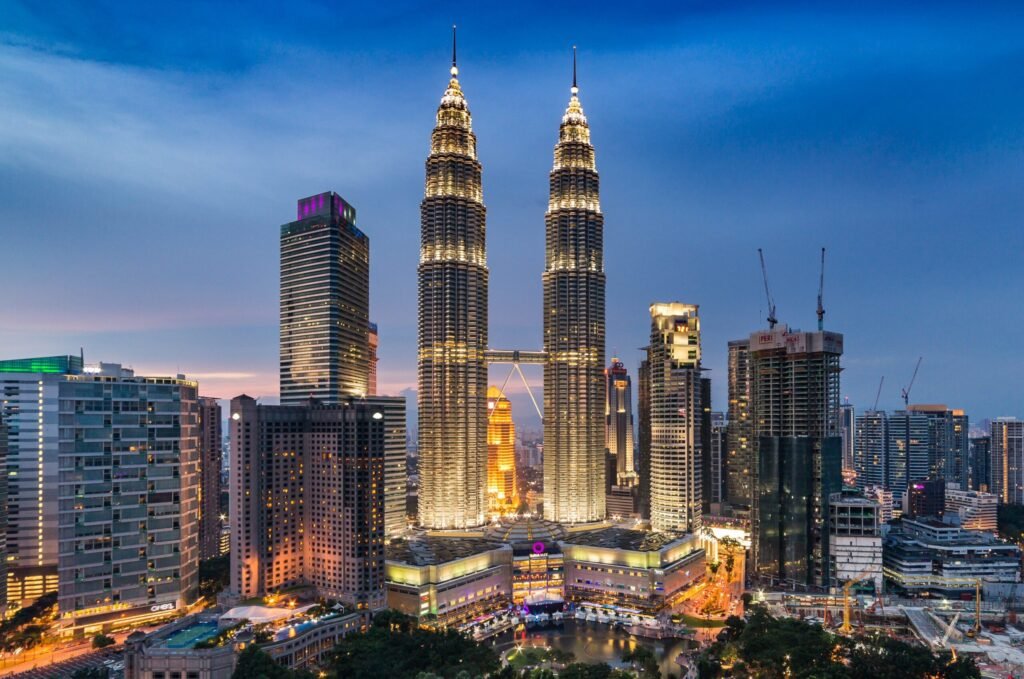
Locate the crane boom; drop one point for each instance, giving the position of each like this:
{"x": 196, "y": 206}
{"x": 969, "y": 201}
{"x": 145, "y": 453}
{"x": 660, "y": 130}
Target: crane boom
{"x": 821, "y": 288}
{"x": 771, "y": 302}
{"x": 905, "y": 393}
{"x": 880, "y": 383}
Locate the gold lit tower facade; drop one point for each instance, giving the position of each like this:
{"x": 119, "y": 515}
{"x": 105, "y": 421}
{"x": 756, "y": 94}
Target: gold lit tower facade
{"x": 574, "y": 329}
{"x": 501, "y": 453}
{"x": 452, "y": 324}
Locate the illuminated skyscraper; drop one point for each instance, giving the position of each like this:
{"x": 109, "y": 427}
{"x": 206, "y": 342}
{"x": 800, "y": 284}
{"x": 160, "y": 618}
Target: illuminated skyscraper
{"x": 452, "y": 324}
{"x": 325, "y": 302}
{"x": 618, "y": 417}
{"x": 1007, "y": 457}
{"x": 501, "y": 453}
{"x": 739, "y": 459}
{"x": 374, "y": 342}
{"x": 675, "y": 417}
{"x": 574, "y": 329}
{"x": 3, "y": 518}
{"x": 210, "y": 453}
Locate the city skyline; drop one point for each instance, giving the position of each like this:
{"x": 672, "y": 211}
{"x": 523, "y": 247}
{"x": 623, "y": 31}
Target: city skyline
{"x": 903, "y": 183}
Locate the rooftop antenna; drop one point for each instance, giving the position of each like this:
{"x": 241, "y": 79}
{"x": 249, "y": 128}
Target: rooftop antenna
{"x": 880, "y": 383}
{"x": 771, "y": 302}
{"x": 821, "y": 287}
{"x": 905, "y": 393}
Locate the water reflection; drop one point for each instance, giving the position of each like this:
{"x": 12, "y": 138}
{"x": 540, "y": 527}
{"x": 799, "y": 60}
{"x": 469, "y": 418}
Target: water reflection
{"x": 597, "y": 643}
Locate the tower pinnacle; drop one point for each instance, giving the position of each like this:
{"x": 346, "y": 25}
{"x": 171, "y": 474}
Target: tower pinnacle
{"x": 455, "y": 68}
{"x": 574, "y": 89}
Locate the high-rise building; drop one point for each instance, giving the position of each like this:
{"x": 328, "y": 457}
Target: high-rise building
{"x": 715, "y": 461}
{"x": 574, "y": 328}
{"x": 980, "y": 468}
{"x": 909, "y": 451}
{"x": 740, "y": 440}
{"x": 128, "y": 497}
{"x": 705, "y": 444}
{"x": 29, "y": 400}
{"x": 396, "y": 473}
{"x": 676, "y": 412}
{"x": 373, "y": 342}
{"x": 1007, "y": 434}
{"x": 795, "y": 405}
{"x": 847, "y": 429}
{"x": 3, "y": 518}
{"x": 618, "y": 417}
{"x": 643, "y": 408}
{"x": 307, "y": 497}
{"x": 502, "y": 494}
{"x": 871, "y": 451}
{"x": 884, "y": 498}
{"x": 947, "y": 442}
{"x": 453, "y": 324}
{"x": 325, "y": 302}
{"x": 925, "y": 498}
{"x": 210, "y": 440}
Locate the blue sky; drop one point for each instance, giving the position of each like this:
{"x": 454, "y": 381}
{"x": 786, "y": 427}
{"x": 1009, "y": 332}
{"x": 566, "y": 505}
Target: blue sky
{"x": 149, "y": 152}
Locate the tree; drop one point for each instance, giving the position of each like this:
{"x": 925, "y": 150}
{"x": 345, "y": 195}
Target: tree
{"x": 102, "y": 641}
{"x": 253, "y": 663}
{"x": 91, "y": 673}
{"x": 643, "y": 658}
{"x": 214, "y": 576}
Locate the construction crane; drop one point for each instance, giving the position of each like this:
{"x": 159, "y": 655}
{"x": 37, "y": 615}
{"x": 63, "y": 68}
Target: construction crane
{"x": 771, "y": 302}
{"x": 846, "y": 627}
{"x": 905, "y": 393}
{"x": 880, "y": 383}
{"x": 821, "y": 288}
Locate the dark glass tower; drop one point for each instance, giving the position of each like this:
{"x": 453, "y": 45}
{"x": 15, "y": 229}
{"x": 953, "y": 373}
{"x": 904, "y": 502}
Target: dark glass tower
{"x": 574, "y": 329}
{"x": 452, "y": 324}
{"x": 325, "y": 303}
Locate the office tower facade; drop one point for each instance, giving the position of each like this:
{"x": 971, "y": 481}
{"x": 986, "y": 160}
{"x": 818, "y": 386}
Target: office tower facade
{"x": 740, "y": 441}
{"x": 210, "y": 453}
{"x": 643, "y": 409}
{"x": 502, "y": 495}
{"x": 676, "y": 411}
{"x": 947, "y": 441}
{"x": 1007, "y": 434}
{"x": 3, "y": 518}
{"x": 29, "y": 400}
{"x": 795, "y": 407}
{"x": 980, "y": 468}
{"x": 452, "y": 324}
{"x": 847, "y": 431}
{"x": 307, "y": 498}
{"x": 909, "y": 450}
{"x": 618, "y": 417}
{"x": 925, "y": 498}
{"x": 714, "y": 467}
{"x": 884, "y": 498}
{"x": 396, "y": 474}
{"x": 373, "y": 341}
{"x": 871, "y": 449}
{"x": 325, "y": 302}
{"x": 574, "y": 328}
{"x": 128, "y": 498}
{"x": 855, "y": 539}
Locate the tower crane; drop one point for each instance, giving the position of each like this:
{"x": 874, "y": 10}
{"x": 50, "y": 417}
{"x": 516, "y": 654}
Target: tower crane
{"x": 846, "y": 627}
{"x": 771, "y": 302}
{"x": 877, "y": 395}
{"x": 905, "y": 393}
{"x": 821, "y": 287}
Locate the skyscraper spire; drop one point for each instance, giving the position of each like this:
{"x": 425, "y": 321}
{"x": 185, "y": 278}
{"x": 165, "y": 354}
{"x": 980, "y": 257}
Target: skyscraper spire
{"x": 455, "y": 67}
{"x": 574, "y": 88}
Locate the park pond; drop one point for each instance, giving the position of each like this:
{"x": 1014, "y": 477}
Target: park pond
{"x": 596, "y": 643}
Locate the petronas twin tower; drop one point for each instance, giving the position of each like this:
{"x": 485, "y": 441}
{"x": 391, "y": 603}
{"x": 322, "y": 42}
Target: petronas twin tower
{"x": 453, "y": 326}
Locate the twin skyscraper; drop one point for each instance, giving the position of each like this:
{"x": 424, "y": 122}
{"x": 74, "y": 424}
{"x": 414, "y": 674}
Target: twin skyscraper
{"x": 453, "y": 317}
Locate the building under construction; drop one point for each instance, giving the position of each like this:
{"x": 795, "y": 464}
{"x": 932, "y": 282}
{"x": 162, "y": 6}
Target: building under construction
{"x": 794, "y": 378}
